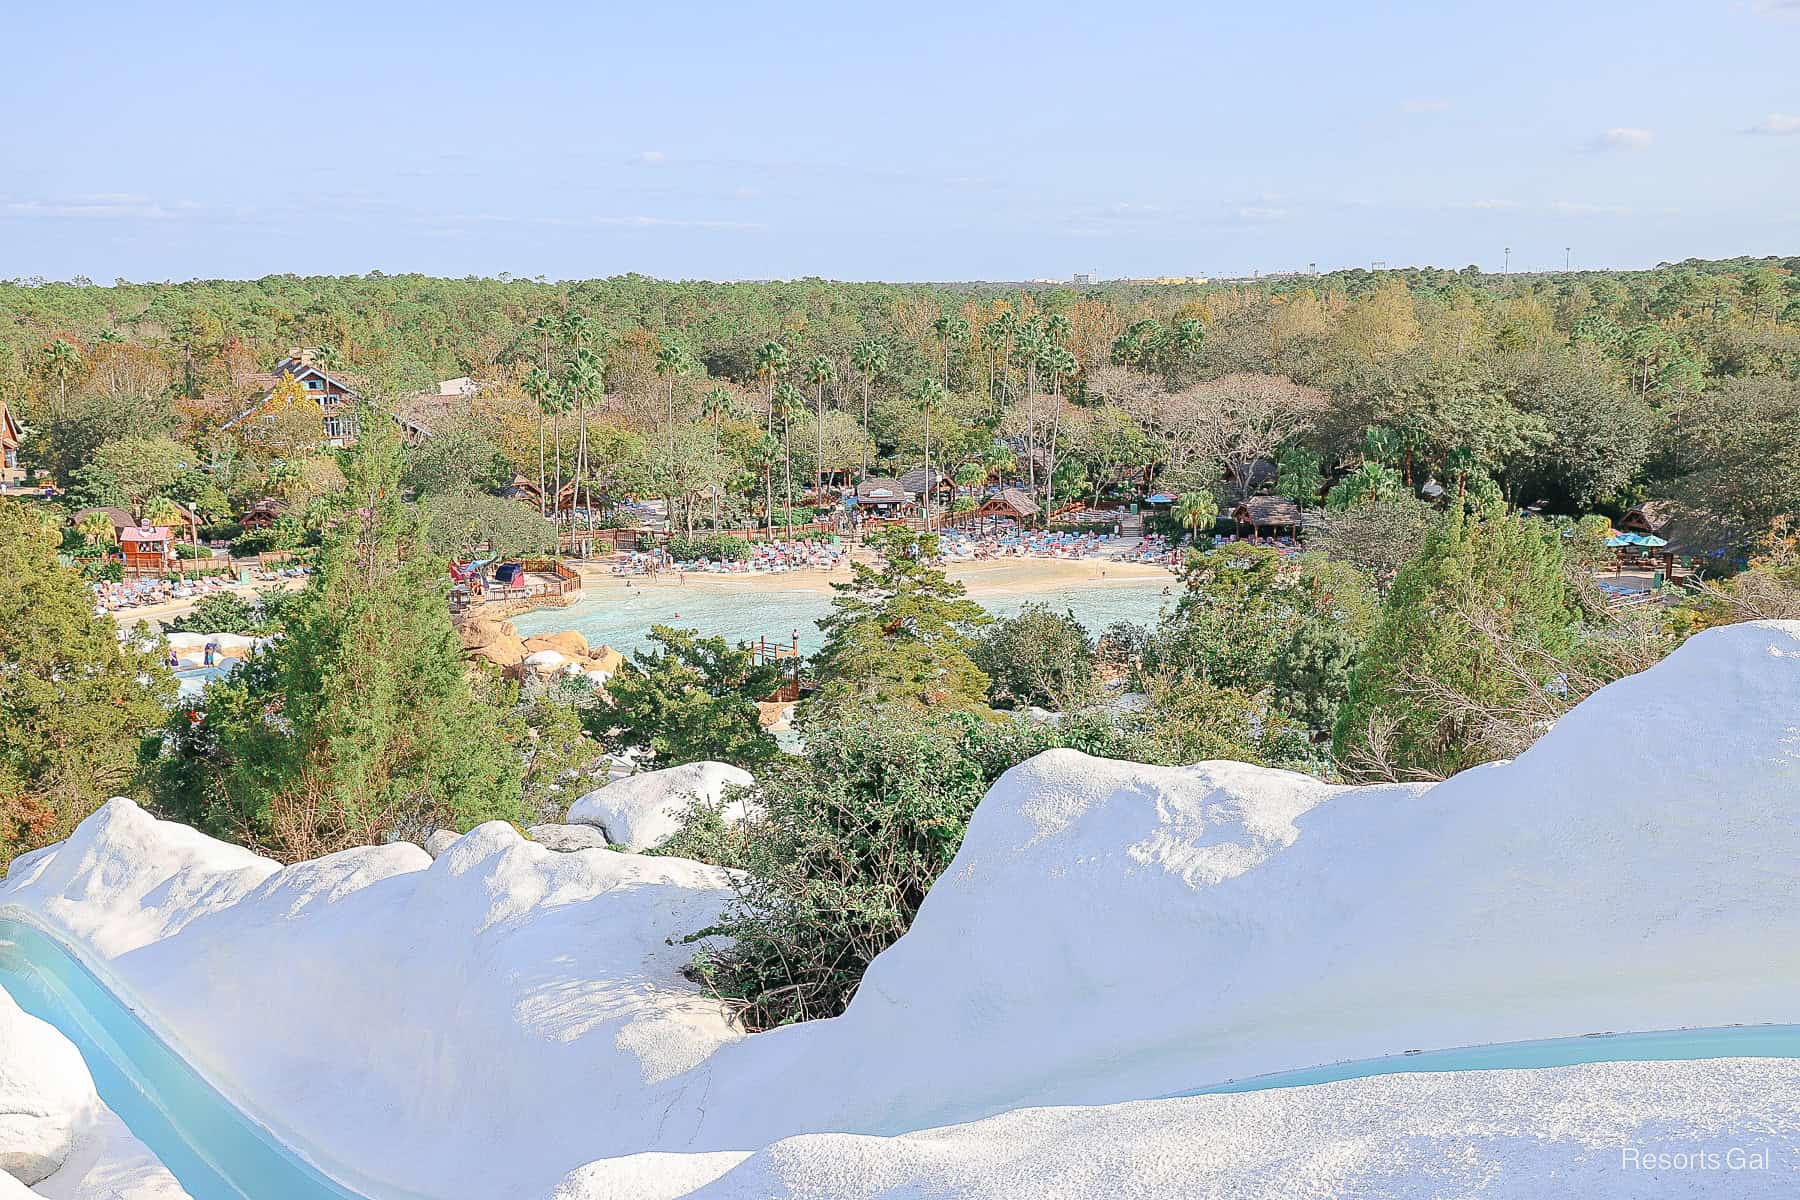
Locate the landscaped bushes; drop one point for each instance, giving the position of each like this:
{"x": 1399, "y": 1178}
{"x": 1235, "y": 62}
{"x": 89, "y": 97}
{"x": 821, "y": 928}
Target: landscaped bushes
{"x": 721, "y": 547}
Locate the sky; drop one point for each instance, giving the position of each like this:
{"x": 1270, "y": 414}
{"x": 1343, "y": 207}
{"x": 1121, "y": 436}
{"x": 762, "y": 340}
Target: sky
{"x": 922, "y": 141}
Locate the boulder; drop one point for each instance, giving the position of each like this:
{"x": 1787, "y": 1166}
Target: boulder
{"x": 480, "y": 631}
{"x": 440, "y": 840}
{"x": 643, "y": 811}
{"x": 545, "y": 662}
{"x": 606, "y": 659}
{"x": 46, "y": 1095}
{"x": 503, "y": 651}
{"x": 568, "y": 837}
{"x": 567, "y": 642}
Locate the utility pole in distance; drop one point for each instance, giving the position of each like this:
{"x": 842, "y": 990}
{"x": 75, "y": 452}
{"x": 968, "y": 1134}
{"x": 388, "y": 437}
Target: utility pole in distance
{"x": 1567, "y": 251}
{"x": 1506, "y": 267}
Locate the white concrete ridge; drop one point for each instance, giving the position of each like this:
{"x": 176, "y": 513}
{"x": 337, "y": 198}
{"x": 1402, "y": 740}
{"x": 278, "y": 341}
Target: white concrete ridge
{"x": 644, "y": 811}
{"x": 488, "y": 1023}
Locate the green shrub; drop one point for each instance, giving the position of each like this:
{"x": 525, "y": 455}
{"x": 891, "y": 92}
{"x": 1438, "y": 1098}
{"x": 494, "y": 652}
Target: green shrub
{"x": 722, "y": 547}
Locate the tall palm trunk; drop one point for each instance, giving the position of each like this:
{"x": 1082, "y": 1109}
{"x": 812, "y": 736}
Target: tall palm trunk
{"x": 718, "y": 492}
{"x": 865, "y": 445}
{"x": 819, "y": 466}
{"x": 930, "y": 483}
{"x": 787, "y": 476}
{"x": 540, "y": 460}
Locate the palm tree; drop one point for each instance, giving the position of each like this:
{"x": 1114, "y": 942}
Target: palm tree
{"x": 870, "y": 360}
{"x": 1003, "y": 329}
{"x": 1195, "y": 509}
{"x": 546, "y": 329}
{"x": 672, "y": 361}
{"x": 821, "y": 371}
{"x": 578, "y": 330}
{"x": 764, "y": 456}
{"x": 1028, "y": 341}
{"x": 929, "y": 396}
{"x": 540, "y": 387}
{"x": 585, "y": 377}
{"x": 716, "y": 405}
{"x": 96, "y": 528}
{"x": 61, "y": 361}
{"x": 1056, "y": 329}
{"x": 951, "y": 330}
{"x": 772, "y": 359}
{"x": 788, "y": 400}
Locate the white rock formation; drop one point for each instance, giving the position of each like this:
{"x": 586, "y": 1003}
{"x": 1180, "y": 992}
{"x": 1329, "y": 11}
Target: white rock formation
{"x": 569, "y": 837}
{"x": 1108, "y": 932}
{"x": 1585, "y": 1131}
{"x": 44, "y": 1095}
{"x": 440, "y": 840}
{"x": 643, "y": 811}
{"x": 55, "y": 1135}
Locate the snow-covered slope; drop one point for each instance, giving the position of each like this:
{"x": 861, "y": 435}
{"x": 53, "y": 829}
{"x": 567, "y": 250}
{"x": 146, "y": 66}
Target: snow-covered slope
{"x": 1592, "y": 1132}
{"x": 1109, "y": 932}
{"x": 55, "y": 1135}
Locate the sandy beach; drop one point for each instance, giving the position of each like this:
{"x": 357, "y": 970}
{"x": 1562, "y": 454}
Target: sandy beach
{"x": 156, "y": 614}
{"x": 986, "y": 577}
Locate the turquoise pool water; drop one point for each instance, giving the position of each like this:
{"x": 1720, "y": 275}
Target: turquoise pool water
{"x": 621, "y": 618}
{"x": 220, "y": 1153}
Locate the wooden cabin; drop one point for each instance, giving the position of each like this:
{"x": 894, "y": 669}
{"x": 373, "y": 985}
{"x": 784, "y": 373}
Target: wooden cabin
{"x": 1268, "y": 516}
{"x": 147, "y": 548}
{"x": 11, "y": 438}
{"x": 122, "y": 520}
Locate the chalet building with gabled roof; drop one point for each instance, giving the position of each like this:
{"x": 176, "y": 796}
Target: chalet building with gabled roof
{"x": 336, "y": 394}
{"x": 11, "y": 438}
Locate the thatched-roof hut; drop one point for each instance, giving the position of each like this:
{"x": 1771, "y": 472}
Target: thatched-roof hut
{"x": 1652, "y": 516}
{"x": 1011, "y": 503}
{"x": 1262, "y": 513}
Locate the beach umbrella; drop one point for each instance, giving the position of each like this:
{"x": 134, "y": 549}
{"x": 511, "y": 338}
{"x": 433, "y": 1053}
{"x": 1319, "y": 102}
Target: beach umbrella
{"x": 1651, "y": 540}
{"x": 1619, "y": 540}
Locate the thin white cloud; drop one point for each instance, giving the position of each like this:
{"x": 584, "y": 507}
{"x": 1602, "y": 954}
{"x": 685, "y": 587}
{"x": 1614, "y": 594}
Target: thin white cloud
{"x": 1777, "y": 8}
{"x": 99, "y": 206}
{"x": 1622, "y": 138}
{"x": 1424, "y": 106}
{"x": 649, "y": 157}
{"x": 1776, "y": 125}
{"x": 1576, "y": 208}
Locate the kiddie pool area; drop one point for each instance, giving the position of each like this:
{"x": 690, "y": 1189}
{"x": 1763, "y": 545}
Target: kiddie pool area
{"x": 218, "y": 1152}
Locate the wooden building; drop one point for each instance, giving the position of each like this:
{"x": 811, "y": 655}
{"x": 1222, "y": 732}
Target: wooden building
{"x": 1268, "y": 515}
{"x": 1652, "y": 517}
{"x": 11, "y": 438}
{"x": 881, "y": 494}
{"x": 1011, "y": 504}
{"x": 147, "y": 548}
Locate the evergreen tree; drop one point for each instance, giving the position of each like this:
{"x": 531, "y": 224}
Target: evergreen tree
{"x": 361, "y": 719}
{"x": 75, "y": 704}
{"x": 900, "y": 633}
{"x": 1487, "y": 584}
{"x": 691, "y": 700}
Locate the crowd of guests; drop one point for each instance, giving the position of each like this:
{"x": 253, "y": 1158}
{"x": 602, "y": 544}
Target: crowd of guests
{"x": 142, "y": 593}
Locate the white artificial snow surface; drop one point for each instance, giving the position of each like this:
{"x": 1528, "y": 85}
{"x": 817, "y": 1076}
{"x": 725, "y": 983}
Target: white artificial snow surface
{"x": 1109, "y": 932}
{"x": 640, "y": 812}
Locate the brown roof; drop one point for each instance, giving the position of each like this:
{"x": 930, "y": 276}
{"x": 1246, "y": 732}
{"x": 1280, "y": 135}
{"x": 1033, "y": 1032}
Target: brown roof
{"x": 1015, "y": 500}
{"x": 882, "y": 490}
{"x": 1266, "y": 511}
{"x": 1649, "y": 517}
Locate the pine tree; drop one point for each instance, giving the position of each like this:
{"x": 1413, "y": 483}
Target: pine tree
{"x": 1427, "y": 666}
{"x": 75, "y": 704}
{"x": 361, "y": 719}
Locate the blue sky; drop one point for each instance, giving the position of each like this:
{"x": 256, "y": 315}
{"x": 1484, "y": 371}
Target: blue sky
{"x": 922, "y": 141}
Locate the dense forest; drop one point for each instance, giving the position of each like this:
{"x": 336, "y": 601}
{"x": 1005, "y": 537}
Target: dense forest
{"x": 1585, "y": 390}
